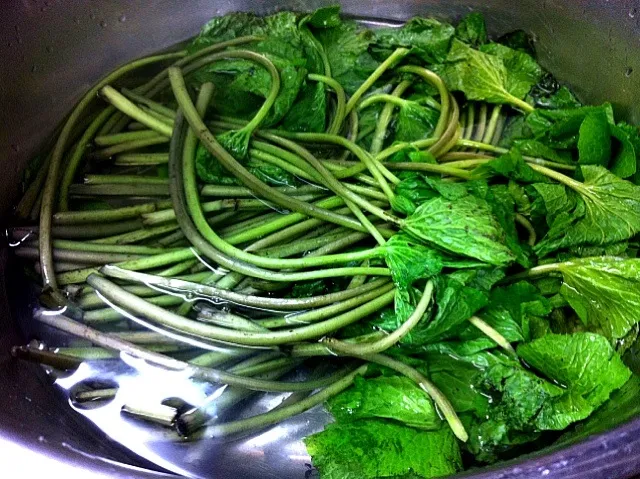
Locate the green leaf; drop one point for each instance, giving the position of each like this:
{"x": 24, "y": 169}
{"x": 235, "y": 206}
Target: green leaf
{"x": 549, "y": 94}
{"x": 510, "y": 311}
{"x": 625, "y": 162}
{"x": 594, "y": 141}
{"x": 227, "y": 27}
{"x": 387, "y": 397}
{"x": 236, "y": 142}
{"x": 456, "y": 378}
{"x": 517, "y": 398}
{"x": 210, "y": 170}
{"x": 465, "y": 226}
{"x": 325, "y": 17}
{"x": 456, "y": 303}
{"x": 409, "y": 260}
{"x": 609, "y": 212}
{"x": 472, "y": 29}
{"x": 371, "y": 449}
{"x": 510, "y": 165}
{"x": 483, "y": 76}
{"x": 561, "y": 128}
{"x": 415, "y": 122}
{"x": 271, "y": 174}
{"x": 540, "y": 150}
{"x": 585, "y": 364}
{"x": 308, "y": 113}
{"x": 522, "y": 70}
{"x": 346, "y": 47}
{"x": 622, "y": 406}
{"x": 604, "y": 292}
{"x": 427, "y": 38}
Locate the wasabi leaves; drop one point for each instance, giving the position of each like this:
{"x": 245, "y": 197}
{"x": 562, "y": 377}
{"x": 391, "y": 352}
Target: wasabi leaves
{"x": 371, "y": 449}
{"x": 378, "y": 398}
{"x": 465, "y": 226}
{"x": 608, "y": 211}
{"x": 604, "y": 292}
{"x": 587, "y": 367}
{"x": 504, "y": 77}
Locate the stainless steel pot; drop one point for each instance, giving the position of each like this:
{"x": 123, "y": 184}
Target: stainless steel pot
{"x": 52, "y": 51}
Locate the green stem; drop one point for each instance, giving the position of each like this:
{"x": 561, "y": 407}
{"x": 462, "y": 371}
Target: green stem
{"x": 416, "y": 145}
{"x": 77, "y": 155}
{"x": 280, "y": 414}
{"x": 148, "y": 262}
{"x": 207, "y": 291}
{"x": 391, "y": 339}
{"x": 155, "y": 106}
{"x": 129, "y": 108}
{"x": 493, "y": 123}
{"x": 248, "y": 179}
{"x": 131, "y": 180}
{"x": 338, "y": 117}
{"x": 137, "y": 235}
{"x": 376, "y": 168}
{"x": 523, "y": 221}
{"x": 385, "y": 117}
{"x": 98, "y": 216}
{"x": 197, "y": 372}
{"x": 482, "y": 122}
{"x": 382, "y": 97}
{"x": 298, "y": 319}
{"x": 391, "y": 60}
{"x": 435, "y": 80}
{"x": 114, "y": 139}
{"x": 471, "y": 121}
{"x": 535, "y": 272}
{"x": 110, "y": 151}
{"x": 142, "y": 159}
{"x": 494, "y": 335}
{"x": 195, "y": 208}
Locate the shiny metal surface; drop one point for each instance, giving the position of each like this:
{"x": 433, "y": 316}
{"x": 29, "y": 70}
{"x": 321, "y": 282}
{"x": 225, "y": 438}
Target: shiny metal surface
{"x": 52, "y": 51}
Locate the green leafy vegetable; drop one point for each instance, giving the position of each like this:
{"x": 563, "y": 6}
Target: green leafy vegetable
{"x": 485, "y": 76}
{"x": 472, "y": 29}
{"x": 415, "y": 122}
{"x": 594, "y": 142}
{"x": 378, "y": 398}
{"x": 604, "y": 292}
{"x": 608, "y": 211}
{"x": 427, "y": 38}
{"x": 465, "y": 226}
{"x": 585, "y": 364}
{"x": 347, "y": 49}
{"x": 308, "y": 113}
{"x": 371, "y": 449}
{"x": 409, "y": 260}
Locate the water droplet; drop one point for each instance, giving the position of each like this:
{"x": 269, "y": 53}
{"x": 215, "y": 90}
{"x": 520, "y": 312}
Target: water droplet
{"x": 34, "y": 68}
{"x": 122, "y": 18}
{"x": 103, "y": 23}
{"x": 628, "y": 71}
{"x": 633, "y": 12}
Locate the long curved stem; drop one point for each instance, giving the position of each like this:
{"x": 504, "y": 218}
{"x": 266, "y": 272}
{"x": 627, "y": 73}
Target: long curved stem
{"x": 51, "y": 185}
{"x": 391, "y": 339}
{"x": 229, "y": 162}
